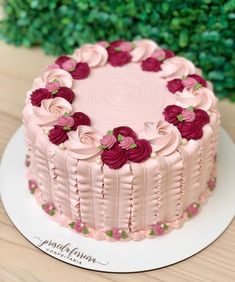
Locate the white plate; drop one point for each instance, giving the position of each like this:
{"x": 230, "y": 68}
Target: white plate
{"x": 132, "y": 256}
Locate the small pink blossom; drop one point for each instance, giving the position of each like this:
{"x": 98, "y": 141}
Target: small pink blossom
{"x": 53, "y": 86}
{"x": 159, "y": 228}
{"x": 189, "y": 82}
{"x": 117, "y": 233}
{"x": 69, "y": 65}
{"x": 192, "y": 210}
{"x": 32, "y": 185}
{"x": 188, "y": 115}
{"x": 211, "y": 184}
{"x": 125, "y": 46}
{"x": 126, "y": 143}
{"x": 66, "y": 121}
{"x": 52, "y": 67}
{"x": 79, "y": 226}
{"x": 108, "y": 141}
{"x": 103, "y": 43}
{"x": 49, "y": 207}
{"x": 159, "y": 55}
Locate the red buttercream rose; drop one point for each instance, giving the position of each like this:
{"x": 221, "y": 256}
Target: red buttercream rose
{"x": 66, "y": 93}
{"x": 199, "y": 79}
{"x": 60, "y": 60}
{"x": 115, "y": 157}
{"x": 119, "y": 58}
{"x": 175, "y": 85}
{"x": 201, "y": 117}
{"x": 171, "y": 112}
{"x": 38, "y": 95}
{"x": 141, "y": 152}
{"x": 80, "y": 119}
{"x": 58, "y": 135}
{"x": 124, "y": 131}
{"x": 81, "y": 71}
{"x": 168, "y": 53}
{"x": 151, "y": 64}
{"x": 190, "y": 130}
{"x": 113, "y": 45}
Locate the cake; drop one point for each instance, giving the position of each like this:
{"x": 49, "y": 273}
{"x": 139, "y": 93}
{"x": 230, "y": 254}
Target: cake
{"x": 121, "y": 140}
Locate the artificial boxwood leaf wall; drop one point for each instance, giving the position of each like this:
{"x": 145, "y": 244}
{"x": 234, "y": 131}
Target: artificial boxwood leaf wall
{"x": 201, "y": 30}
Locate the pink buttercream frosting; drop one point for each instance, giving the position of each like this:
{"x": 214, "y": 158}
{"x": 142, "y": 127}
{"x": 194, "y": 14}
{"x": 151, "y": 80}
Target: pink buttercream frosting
{"x": 63, "y": 77}
{"x": 51, "y": 110}
{"x": 163, "y": 137}
{"x": 66, "y": 121}
{"x": 94, "y": 55}
{"x": 143, "y": 49}
{"x": 202, "y": 98}
{"x": 84, "y": 142}
{"x": 188, "y": 115}
{"x": 176, "y": 67}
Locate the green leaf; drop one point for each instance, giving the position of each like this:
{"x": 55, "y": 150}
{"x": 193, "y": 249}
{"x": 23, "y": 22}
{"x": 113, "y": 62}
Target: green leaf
{"x": 102, "y": 147}
{"x": 72, "y": 224}
{"x": 109, "y": 132}
{"x": 85, "y": 230}
{"x": 133, "y": 146}
{"x": 66, "y": 114}
{"x": 120, "y": 137}
{"x": 124, "y": 235}
{"x": 190, "y": 108}
{"x": 152, "y": 233}
{"x": 166, "y": 226}
{"x": 52, "y": 212}
{"x": 180, "y": 117}
{"x": 67, "y": 128}
{"x": 109, "y": 233}
{"x": 197, "y": 86}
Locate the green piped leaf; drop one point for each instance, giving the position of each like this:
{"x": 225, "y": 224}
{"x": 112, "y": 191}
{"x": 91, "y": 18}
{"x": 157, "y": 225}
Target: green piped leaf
{"x": 124, "y": 235}
{"x": 66, "y": 114}
{"x": 109, "y": 132}
{"x": 117, "y": 49}
{"x": 120, "y": 137}
{"x": 72, "y": 224}
{"x": 85, "y": 230}
{"x": 152, "y": 233}
{"x": 180, "y": 117}
{"x": 190, "y": 108}
{"x": 67, "y": 128}
{"x": 197, "y": 86}
{"x": 109, "y": 233}
{"x": 183, "y": 77}
{"x": 54, "y": 92}
{"x": 52, "y": 212}
{"x": 102, "y": 147}
{"x": 166, "y": 226}
{"x": 133, "y": 146}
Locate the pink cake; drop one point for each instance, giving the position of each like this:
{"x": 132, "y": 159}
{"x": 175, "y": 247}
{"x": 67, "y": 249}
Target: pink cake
{"x": 122, "y": 140}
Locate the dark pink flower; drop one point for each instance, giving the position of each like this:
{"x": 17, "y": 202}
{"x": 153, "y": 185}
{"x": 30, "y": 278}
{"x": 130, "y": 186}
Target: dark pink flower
{"x": 160, "y": 228}
{"x": 69, "y": 65}
{"x": 108, "y": 141}
{"x": 124, "y": 131}
{"x": 190, "y": 130}
{"x": 115, "y": 157}
{"x": 38, "y": 95}
{"x": 80, "y": 119}
{"x": 113, "y": 45}
{"x": 175, "y": 85}
{"x": 201, "y": 117}
{"x": 127, "y": 142}
{"x": 66, "y": 93}
{"x": 118, "y": 59}
{"x": 60, "y": 60}
{"x": 168, "y": 53}
{"x": 199, "y": 79}
{"x": 141, "y": 152}
{"x": 171, "y": 112}
{"x": 58, "y": 135}
{"x": 151, "y": 64}
{"x": 82, "y": 70}
{"x": 66, "y": 121}
{"x": 211, "y": 183}
{"x": 188, "y": 115}
{"x": 192, "y": 210}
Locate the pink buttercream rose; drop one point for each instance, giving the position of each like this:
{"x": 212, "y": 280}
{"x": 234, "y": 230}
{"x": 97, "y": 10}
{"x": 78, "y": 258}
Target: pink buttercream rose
{"x": 159, "y": 55}
{"x": 159, "y": 228}
{"x": 189, "y": 82}
{"x": 53, "y": 86}
{"x": 193, "y": 210}
{"x": 79, "y": 226}
{"x": 163, "y": 137}
{"x": 117, "y": 233}
{"x": 83, "y": 143}
{"x": 63, "y": 77}
{"x": 50, "y": 111}
{"x": 176, "y": 67}
{"x": 108, "y": 141}
{"x": 69, "y": 65}
{"x": 66, "y": 121}
{"x": 125, "y": 46}
{"x": 126, "y": 143}
{"x": 143, "y": 49}
{"x": 49, "y": 208}
{"x": 188, "y": 115}
{"x": 93, "y": 54}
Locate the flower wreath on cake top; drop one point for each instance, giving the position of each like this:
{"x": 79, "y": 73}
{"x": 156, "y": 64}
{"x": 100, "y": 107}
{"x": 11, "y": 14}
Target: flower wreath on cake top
{"x": 52, "y": 97}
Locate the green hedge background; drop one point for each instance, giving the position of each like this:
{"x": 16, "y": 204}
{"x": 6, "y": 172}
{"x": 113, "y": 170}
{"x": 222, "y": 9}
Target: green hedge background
{"x": 201, "y": 30}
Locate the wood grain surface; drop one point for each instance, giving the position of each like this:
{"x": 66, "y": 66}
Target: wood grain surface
{"x": 20, "y": 261}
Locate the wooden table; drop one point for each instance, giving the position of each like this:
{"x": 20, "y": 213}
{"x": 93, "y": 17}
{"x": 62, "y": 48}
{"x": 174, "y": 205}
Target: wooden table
{"x": 21, "y": 261}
